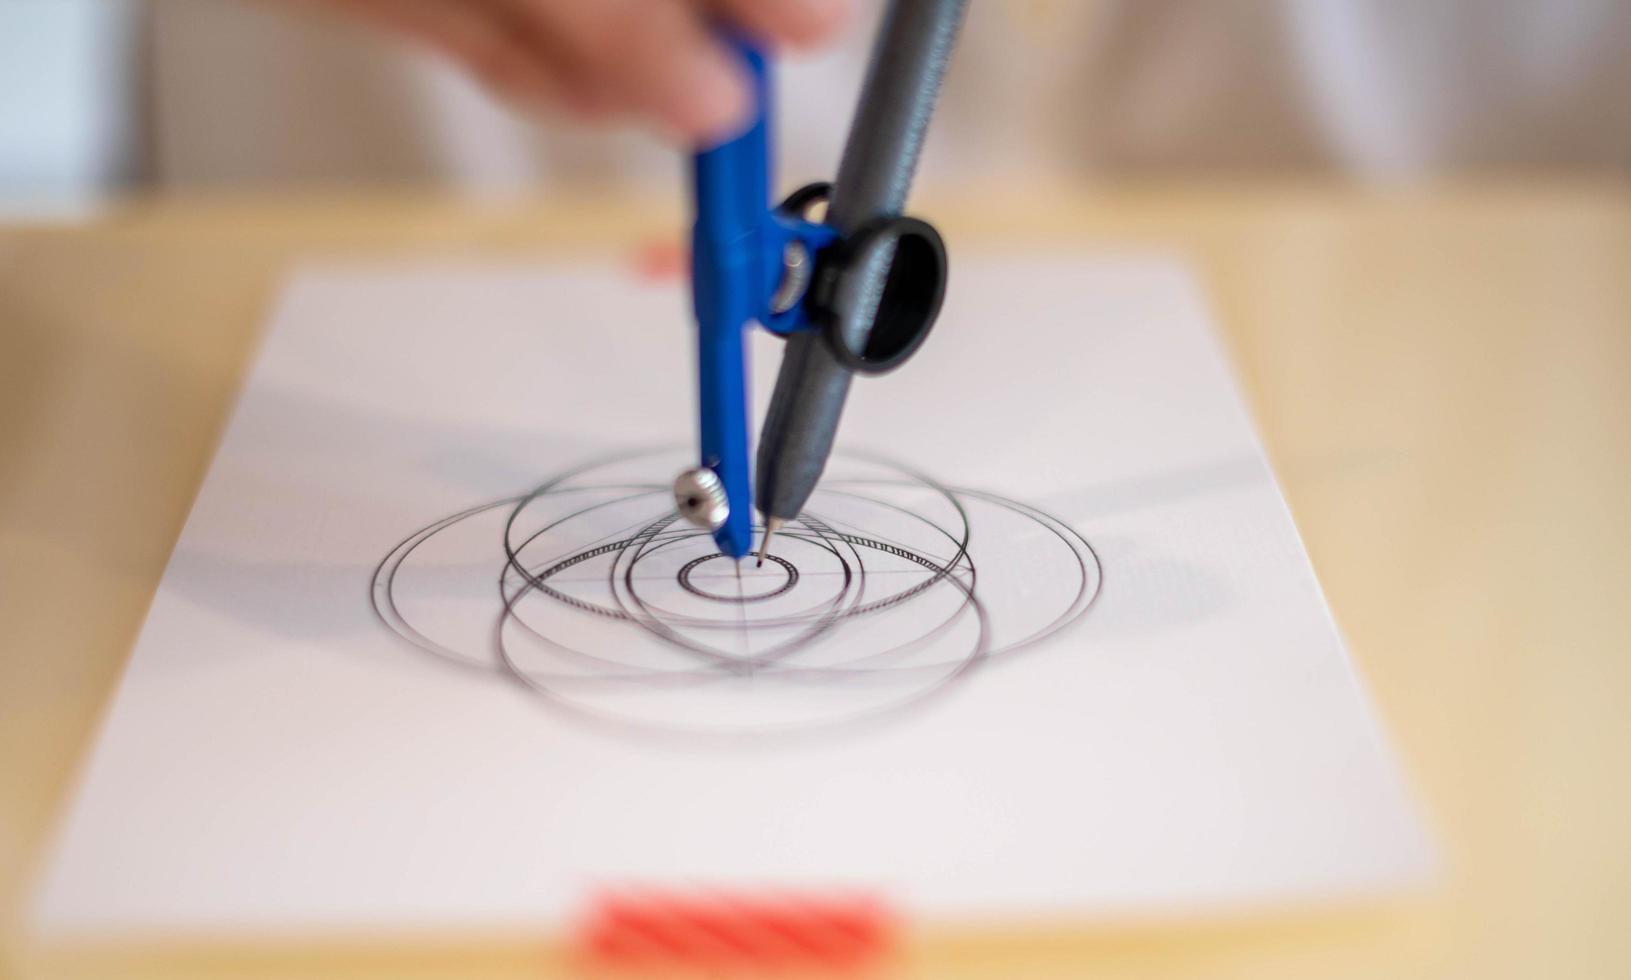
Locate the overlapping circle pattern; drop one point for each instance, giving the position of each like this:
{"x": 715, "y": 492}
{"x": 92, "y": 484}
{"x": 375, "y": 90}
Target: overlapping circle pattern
{"x": 590, "y": 590}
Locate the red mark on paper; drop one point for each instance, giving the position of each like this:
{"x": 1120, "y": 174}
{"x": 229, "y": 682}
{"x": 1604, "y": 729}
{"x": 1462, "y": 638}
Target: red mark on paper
{"x": 662, "y": 260}
{"x": 753, "y": 932}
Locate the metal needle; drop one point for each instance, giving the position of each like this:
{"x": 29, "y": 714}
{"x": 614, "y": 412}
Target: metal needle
{"x": 772, "y": 525}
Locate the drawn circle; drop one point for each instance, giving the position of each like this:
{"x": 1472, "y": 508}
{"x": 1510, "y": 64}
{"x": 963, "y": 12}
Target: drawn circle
{"x": 756, "y": 592}
{"x": 614, "y": 610}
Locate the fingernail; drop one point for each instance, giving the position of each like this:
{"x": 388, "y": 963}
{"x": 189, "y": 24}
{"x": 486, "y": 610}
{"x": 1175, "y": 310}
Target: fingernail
{"x": 818, "y": 19}
{"x": 716, "y": 101}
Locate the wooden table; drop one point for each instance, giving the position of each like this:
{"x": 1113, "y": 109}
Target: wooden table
{"x": 1442, "y": 376}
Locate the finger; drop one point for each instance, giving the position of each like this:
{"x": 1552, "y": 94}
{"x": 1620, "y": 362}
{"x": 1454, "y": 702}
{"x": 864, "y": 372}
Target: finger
{"x": 579, "y": 92}
{"x": 475, "y": 35}
{"x": 654, "y": 56}
{"x": 800, "y": 23}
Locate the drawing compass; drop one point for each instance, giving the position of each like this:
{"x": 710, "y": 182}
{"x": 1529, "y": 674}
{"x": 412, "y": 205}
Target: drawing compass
{"x": 855, "y": 290}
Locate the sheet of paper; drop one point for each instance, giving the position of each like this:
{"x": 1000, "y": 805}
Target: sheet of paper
{"x": 433, "y": 652}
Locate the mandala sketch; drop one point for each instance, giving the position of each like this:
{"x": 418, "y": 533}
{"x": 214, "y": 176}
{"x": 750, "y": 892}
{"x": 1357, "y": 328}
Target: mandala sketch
{"x": 592, "y": 592}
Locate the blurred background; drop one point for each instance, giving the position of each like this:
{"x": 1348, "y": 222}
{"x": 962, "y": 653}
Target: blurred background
{"x": 100, "y": 96}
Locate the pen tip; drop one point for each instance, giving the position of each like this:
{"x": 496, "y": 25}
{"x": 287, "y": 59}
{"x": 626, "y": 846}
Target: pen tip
{"x": 772, "y": 525}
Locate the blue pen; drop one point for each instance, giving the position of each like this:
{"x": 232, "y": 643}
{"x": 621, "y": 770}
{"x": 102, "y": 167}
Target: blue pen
{"x": 741, "y": 255}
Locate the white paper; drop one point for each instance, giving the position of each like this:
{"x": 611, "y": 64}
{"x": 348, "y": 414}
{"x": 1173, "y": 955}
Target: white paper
{"x": 276, "y": 758}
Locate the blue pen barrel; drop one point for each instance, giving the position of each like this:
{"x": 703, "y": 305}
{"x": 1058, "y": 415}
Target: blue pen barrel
{"x": 729, "y": 281}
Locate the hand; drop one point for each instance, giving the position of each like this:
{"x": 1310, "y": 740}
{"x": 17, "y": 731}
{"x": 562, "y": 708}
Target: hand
{"x": 656, "y": 60}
